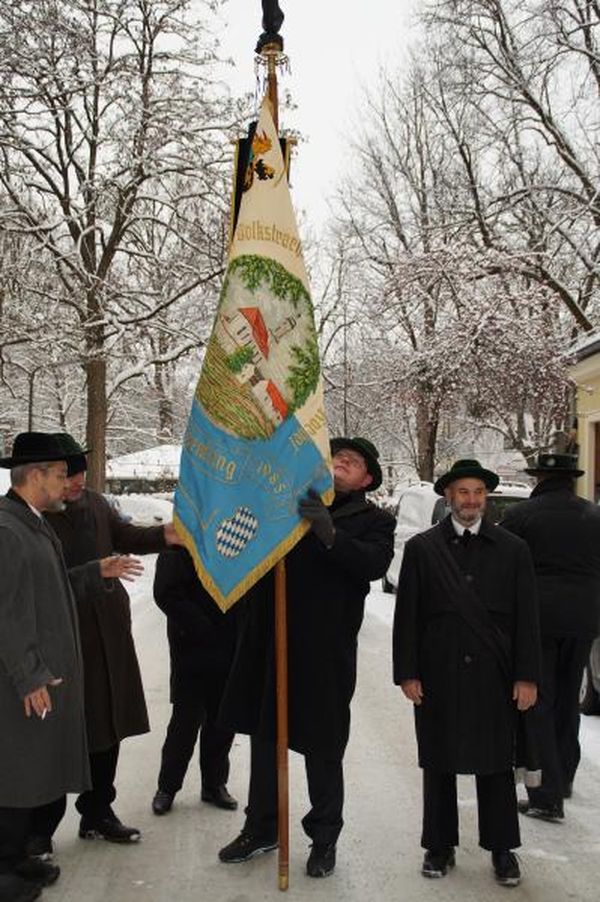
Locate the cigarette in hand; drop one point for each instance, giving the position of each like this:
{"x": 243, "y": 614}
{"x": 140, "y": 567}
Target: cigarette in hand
{"x": 44, "y": 712}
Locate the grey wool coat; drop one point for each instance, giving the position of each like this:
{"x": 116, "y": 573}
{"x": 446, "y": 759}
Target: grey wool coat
{"x": 40, "y": 760}
{"x": 90, "y": 529}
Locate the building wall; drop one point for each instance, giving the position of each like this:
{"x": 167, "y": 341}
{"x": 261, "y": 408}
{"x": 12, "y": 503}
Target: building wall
{"x": 586, "y": 374}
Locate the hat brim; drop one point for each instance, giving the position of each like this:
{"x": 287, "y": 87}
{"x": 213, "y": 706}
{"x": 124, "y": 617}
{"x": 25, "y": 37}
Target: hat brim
{"x": 553, "y": 471}
{"x": 9, "y": 463}
{"x": 373, "y": 467}
{"x": 489, "y": 479}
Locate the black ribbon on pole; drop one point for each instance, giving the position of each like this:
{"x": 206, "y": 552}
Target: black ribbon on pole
{"x": 272, "y": 21}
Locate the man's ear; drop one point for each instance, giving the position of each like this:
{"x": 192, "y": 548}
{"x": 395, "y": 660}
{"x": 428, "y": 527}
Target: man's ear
{"x": 367, "y": 481}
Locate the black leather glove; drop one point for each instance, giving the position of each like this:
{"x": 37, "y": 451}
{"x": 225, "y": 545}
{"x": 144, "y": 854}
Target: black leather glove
{"x": 312, "y": 509}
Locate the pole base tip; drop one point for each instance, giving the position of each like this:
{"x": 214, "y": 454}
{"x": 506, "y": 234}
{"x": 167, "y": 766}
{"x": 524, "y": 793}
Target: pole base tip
{"x": 284, "y": 882}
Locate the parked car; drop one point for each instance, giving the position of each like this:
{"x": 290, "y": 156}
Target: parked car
{"x": 419, "y": 508}
{"x": 589, "y": 693}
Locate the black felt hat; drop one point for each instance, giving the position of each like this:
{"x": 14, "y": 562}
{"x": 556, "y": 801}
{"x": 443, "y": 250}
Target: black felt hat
{"x": 367, "y": 450}
{"x": 76, "y": 461}
{"x": 556, "y": 465}
{"x": 34, "y": 448}
{"x": 465, "y": 469}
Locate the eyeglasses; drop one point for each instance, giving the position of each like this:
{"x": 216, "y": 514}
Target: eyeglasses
{"x": 355, "y": 460}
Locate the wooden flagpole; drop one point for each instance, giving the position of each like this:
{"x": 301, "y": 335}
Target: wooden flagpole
{"x": 271, "y": 53}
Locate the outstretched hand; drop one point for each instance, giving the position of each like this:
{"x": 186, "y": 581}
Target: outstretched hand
{"x": 121, "y": 566}
{"x": 311, "y": 508}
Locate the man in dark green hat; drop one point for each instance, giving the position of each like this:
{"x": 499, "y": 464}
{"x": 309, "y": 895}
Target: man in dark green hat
{"x": 329, "y": 572}
{"x": 467, "y": 654}
{"x": 563, "y": 535}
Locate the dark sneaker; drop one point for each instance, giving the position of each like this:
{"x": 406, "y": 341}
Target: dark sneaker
{"x": 109, "y": 828}
{"x": 321, "y": 861}
{"x": 437, "y": 861}
{"x": 162, "y": 802}
{"x": 219, "y": 796}
{"x": 506, "y": 868}
{"x": 552, "y": 813}
{"x": 41, "y": 872}
{"x": 39, "y": 847}
{"x": 246, "y": 846}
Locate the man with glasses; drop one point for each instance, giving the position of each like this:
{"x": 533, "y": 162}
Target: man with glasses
{"x": 349, "y": 544}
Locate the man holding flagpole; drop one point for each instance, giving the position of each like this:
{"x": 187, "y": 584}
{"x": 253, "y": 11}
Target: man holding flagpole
{"x": 350, "y": 543}
{"x": 257, "y": 442}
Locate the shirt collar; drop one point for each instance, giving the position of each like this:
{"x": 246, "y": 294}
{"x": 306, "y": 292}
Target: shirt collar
{"x": 459, "y": 528}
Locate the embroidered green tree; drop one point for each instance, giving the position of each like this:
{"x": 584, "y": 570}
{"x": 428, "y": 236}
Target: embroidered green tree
{"x": 304, "y": 373}
{"x": 238, "y": 360}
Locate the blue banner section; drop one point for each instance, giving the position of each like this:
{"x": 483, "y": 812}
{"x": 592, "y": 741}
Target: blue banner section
{"x": 237, "y": 499}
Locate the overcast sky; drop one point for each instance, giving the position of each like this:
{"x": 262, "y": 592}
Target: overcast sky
{"x": 334, "y": 46}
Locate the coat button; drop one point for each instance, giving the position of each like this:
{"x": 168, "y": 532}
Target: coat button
{"x": 468, "y": 659}
{"x": 468, "y": 577}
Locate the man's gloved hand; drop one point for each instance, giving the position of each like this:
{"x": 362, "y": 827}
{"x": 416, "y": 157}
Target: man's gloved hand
{"x": 313, "y": 510}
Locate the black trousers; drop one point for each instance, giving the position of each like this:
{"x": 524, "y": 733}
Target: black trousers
{"x": 187, "y": 718}
{"x": 325, "y": 779}
{"x": 95, "y": 802}
{"x": 556, "y": 717}
{"x": 17, "y": 825}
{"x": 496, "y": 805}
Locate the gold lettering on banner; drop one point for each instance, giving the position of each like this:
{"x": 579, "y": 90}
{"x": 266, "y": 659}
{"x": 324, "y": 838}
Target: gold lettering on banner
{"x": 313, "y": 426}
{"x": 259, "y": 231}
{"x": 213, "y": 460}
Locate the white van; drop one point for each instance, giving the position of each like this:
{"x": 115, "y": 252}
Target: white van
{"x": 419, "y": 508}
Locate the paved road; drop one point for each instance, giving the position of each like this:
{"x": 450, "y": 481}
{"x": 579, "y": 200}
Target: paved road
{"x": 379, "y": 855}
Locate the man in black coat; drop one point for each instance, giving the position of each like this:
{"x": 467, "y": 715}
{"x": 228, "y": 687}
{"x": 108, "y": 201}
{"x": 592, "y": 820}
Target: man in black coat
{"x": 563, "y": 534}
{"x": 467, "y": 654}
{"x": 201, "y": 645}
{"x": 328, "y": 576}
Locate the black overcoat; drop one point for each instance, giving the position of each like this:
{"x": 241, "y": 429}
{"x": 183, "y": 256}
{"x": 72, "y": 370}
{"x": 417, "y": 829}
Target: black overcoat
{"x": 90, "y": 529}
{"x": 326, "y": 591}
{"x": 563, "y": 535}
{"x": 466, "y": 722}
{"x": 201, "y": 637}
{"x": 40, "y": 760}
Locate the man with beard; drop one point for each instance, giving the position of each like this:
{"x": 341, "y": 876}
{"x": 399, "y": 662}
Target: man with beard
{"x": 563, "y": 535}
{"x": 89, "y": 529}
{"x": 467, "y": 654}
{"x": 43, "y": 752}
{"x": 328, "y": 576}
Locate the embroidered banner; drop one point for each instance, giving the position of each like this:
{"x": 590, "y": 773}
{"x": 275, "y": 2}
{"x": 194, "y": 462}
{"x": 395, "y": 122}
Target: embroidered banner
{"x": 257, "y": 435}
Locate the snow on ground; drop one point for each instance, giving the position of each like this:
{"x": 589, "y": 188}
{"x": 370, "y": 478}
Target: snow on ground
{"x": 146, "y": 510}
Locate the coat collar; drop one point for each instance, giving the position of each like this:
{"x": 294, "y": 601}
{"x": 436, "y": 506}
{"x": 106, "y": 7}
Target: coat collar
{"x": 487, "y": 530}
{"x": 15, "y": 505}
{"x": 348, "y": 505}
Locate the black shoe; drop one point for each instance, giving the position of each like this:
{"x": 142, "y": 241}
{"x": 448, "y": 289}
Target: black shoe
{"x": 246, "y": 846}
{"x": 321, "y": 861}
{"x": 41, "y": 872}
{"x": 552, "y": 813}
{"x": 39, "y": 847}
{"x": 14, "y": 889}
{"x": 506, "y": 868}
{"x": 437, "y": 861}
{"x": 109, "y": 828}
{"x": 219, "y": 796}
{"x": 162, "y": 802}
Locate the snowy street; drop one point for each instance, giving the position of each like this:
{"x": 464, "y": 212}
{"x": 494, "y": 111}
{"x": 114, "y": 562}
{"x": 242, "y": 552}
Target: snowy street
{"x": 378, "y": 854}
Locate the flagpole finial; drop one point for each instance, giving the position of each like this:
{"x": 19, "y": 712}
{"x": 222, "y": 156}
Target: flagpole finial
{"x": 271, "y": 22}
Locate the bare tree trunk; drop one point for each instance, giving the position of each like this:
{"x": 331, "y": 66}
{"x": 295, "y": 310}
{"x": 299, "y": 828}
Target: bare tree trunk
{"x": 427, "y": 429}
{"x": 97, "y": 414}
